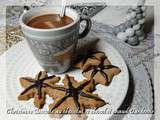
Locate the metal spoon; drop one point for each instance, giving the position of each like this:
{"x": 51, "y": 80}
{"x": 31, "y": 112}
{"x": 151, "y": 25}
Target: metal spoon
{"x": 62, "y": 14}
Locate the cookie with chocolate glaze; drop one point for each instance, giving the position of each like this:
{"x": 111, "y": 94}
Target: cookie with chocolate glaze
{"x": 101, "y": 73}
{"x": 89, "y": 57}
{"x": 75, "y": 98}
{"x": 36, "y": 88}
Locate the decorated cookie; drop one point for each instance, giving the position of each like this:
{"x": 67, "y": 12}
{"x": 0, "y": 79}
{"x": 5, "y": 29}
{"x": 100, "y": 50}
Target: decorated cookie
{"x": 35, "y": 87}
{"x": 74, "y": 98}
{"x": 89, "y": 57}
{"x": 101, "y": 73}
{"x": 58, "y": 90}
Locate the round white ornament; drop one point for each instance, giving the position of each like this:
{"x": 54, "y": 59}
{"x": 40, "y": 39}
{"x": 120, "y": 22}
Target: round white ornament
{"x": 138, "y": 10}
{"x": 136, "y": 27}
{"x": 122, "y": 27}
{"x": 143, "y": 8}
{"x": 134, "y": 21}
{"x": 139, "y": 16}
{"x": 128, "y": 17}
{"x": 141, "y": 38}
{"x": 133, "y": 14}
{"x": 130, "y": 32}
{"x": 128, "y": 24}
{"x": 141, "y": 21}
{"x": 122, "y": 36}
{"x": 133, "y": 41}
{"x": 139, "y": 32}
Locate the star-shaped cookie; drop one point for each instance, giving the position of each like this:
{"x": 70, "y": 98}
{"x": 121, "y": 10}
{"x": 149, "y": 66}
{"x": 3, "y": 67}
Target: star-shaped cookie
{"x": 36, "y": 88}
{"x": 73, "y": 97}
{"x": 89, "y": 57}
{"x": 102, "y": 73}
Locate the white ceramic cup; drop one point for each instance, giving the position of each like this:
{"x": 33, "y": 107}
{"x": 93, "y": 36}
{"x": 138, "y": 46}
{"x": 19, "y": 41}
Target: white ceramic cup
{"x": 54, "y": 48}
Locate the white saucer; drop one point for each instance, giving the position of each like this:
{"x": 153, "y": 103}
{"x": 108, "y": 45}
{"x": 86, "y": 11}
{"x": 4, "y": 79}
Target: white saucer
{"x": 21, "y": 62}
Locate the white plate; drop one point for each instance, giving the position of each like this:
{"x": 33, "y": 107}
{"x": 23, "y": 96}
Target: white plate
{"x": 21, "y": 62}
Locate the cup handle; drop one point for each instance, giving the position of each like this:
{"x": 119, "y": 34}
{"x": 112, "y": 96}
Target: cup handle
{"x": 87, "y": 28}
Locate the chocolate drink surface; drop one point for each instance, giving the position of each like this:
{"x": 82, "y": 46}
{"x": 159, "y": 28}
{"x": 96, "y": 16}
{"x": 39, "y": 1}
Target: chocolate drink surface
{"x": 49, "y": 21}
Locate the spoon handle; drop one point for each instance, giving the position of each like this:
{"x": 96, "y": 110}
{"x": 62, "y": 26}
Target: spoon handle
{"x": 63, "y": 8}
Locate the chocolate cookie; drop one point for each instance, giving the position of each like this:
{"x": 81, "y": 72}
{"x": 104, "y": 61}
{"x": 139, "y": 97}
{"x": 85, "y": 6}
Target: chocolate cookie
{"x": 74, "y": 98}
{"x": 101, "y": 73}
{"x": 89, "y": 57}
{"x": 36, "y": 88}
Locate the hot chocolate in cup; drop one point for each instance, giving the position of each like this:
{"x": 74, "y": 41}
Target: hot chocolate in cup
{"x": 49, "y": 21}
{"x": 54, "y": 47}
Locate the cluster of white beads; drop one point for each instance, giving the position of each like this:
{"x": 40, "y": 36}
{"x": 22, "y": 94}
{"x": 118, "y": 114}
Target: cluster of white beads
{"x": 131, "y": 31}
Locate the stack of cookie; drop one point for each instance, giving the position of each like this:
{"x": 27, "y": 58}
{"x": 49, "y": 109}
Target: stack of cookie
{"x": 131, "y": 31}
{"x": 72, "y": 96}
